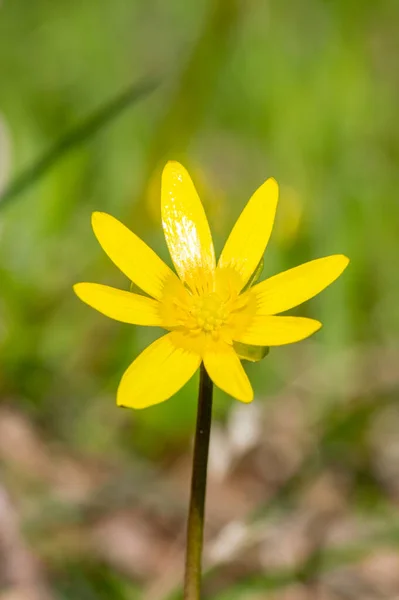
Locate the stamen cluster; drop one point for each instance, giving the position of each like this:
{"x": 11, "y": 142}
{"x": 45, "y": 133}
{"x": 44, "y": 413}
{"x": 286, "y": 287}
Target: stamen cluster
{"x": 209, "y": 312}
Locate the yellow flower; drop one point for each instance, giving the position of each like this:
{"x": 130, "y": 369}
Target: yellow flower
{"x": 205, "y": 307}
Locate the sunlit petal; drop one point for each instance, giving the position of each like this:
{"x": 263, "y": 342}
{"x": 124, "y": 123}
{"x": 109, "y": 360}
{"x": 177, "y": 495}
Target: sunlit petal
{"x": 157, "y": 373}
{"x": 250, "y": 235}
{"x": 291, "y": 288}
{"x": 226, "y": 371}
{"x": 131, "y": 255}
{"x": 119, "y": 304}
{"x": 277, "y": 331}
{"x": 186, "y": 227}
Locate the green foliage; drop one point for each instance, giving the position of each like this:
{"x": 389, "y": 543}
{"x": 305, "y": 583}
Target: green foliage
{"x": 91, "y": 581}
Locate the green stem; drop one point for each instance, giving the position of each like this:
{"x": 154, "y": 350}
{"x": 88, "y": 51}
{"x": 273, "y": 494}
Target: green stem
{"x": 195, "y": 525}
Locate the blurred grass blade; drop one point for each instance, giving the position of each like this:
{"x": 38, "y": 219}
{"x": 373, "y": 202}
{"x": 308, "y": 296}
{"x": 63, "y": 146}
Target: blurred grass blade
{"x": 76, "y": 136}
{"x": 5, "y": 161}
{"x": 196, "y": 84}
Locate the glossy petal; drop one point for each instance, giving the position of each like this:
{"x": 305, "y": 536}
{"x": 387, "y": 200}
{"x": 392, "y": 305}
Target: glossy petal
{"x": 226, "y": 371}
{"x": 119, "y": 304}
{"x": 186, "y": 227}
{"x": 131, "y": 255}
{"x": 250, "y": 235}
{"x": 157, "y": 373}
{"x": 291, "y": 288}
{"x": 277, "y": 331}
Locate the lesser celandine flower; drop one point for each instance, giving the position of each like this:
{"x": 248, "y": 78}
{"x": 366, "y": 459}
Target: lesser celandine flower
{"x": 210, "y": 309}
{"x": 203, "y": 307}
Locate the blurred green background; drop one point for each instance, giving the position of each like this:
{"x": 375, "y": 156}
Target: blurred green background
{"x": 95, "y": 96}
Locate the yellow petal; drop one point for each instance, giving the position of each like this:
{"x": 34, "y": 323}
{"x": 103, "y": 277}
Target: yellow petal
{"x": 291, "y": 288}
{"x": 157, "y": 373}
{"x": 131, "y": 255}
{"x": 277, "y": 331}
{"x": 250, "y": 235}
{"x": 186, "y": 227}
{"x": 226, "y": 371}
{"x": 120, "y": 305}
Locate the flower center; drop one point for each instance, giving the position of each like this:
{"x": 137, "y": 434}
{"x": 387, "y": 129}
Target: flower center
{"x": 209, "y": 312}
{"x": 215, "y": 315}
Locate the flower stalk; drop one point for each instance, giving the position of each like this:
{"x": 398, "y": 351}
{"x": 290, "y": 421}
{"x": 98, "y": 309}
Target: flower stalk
{"x": 195, "y": 523}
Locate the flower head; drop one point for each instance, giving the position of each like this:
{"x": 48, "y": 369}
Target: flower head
{"x": 205, "y": 307}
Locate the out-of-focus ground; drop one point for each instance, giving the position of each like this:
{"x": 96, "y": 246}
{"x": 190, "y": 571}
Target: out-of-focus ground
{"x": 304, "y": 483}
